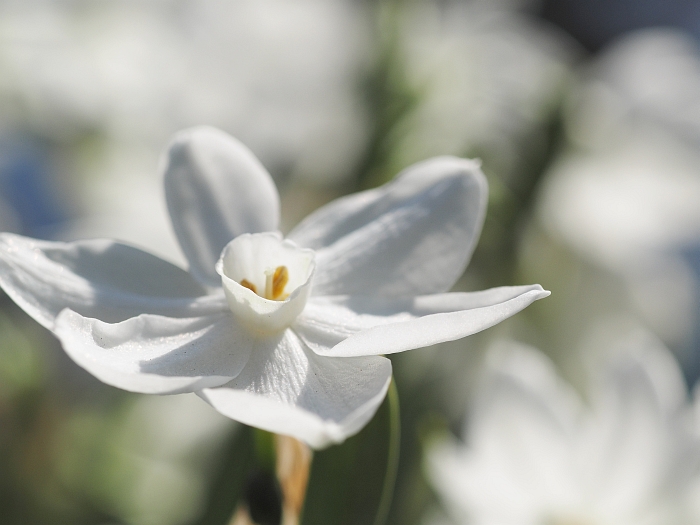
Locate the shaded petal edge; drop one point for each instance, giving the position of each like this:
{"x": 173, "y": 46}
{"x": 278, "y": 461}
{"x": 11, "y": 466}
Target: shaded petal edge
{"x": 216, "y": 189}
{"x": 154, "y": 354}
{"x": 97, "y": 278}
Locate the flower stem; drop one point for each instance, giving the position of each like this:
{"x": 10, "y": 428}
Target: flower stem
{"x": 392, "y": 462}
{"x": 293, "y": 467}
{"x": 270, "y": 500}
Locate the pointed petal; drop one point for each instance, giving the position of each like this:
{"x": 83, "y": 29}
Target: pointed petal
{"x": 216, "y": 190}
{"x": 97, "y": 278}
{"x": 412, "y": 236}
{"x": 154, "y": 354}
{"x": 287, "y": 389}
{"x": 344, "y": 326}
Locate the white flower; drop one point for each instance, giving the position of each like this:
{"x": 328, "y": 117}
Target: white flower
{"x": 489, "y": 79}
{"x": 284, "y": 335}
{"x": 536, "y": 455}
{"x": 278, "y": 74}
{"x": 629, "y": 190}
{"x": 625, "y": 195}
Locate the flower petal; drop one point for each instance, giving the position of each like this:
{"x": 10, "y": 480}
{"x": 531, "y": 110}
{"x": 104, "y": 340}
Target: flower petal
{"x": 216, "y": 190}
{"x": 344, "y": 326}
{"x": 287, "y": 389}
{"x": 412, "y": 236}
{"x": 154, "y": 354}
{"x": 637, "y": 435}
{"x": 97, "y": 278}
{"x": 518, "y": 464}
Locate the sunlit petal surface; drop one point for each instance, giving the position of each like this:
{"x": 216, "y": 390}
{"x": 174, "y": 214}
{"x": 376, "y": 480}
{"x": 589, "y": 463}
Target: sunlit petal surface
{"x": 288, "y": 389}
{"x": 414, "y": 235}
{"x": 360, "y": 325}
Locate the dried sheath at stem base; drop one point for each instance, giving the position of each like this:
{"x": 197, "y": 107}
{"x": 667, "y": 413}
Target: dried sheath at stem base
{"x": 293, "y": 462}
{"x": 293, "y": 467}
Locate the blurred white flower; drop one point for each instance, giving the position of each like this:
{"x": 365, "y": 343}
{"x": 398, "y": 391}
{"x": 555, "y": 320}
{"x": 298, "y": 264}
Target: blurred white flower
{"x": 625, "y": 194}
{"x": 277, "y": 74}
{"x": 650, "y": 75}
{"x": 631, "y": 187}
{"x": 111, "y": 81}
{"x": 489, "y": 78}
{"x": 280, "y": 334}
{"x": 535, "y": 454}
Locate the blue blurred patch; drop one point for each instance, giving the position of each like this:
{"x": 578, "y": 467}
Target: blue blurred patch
{"x": 28, "y": 184}
{"x": 691, "y": 366}
{"x": 595, "y": 23}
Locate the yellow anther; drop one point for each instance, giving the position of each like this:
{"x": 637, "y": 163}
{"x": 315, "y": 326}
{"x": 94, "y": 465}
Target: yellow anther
{"x": 279, "y": 281}
{"x": 247, "y": 284}
{"x": 275, "y": 281}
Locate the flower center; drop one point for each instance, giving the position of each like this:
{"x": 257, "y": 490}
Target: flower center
{"x": 275, "y": 281}
{"x": 266, "y": 280}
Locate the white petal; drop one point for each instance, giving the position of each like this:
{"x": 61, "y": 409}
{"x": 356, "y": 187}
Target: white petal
{"x": 412, "y": 236}
{"x": 287, "y": 389}
{"x": 473, "y": 489}
{"x": 97, "y": 278}
{"x": 635, "y": 445}
{"x": 354, "y": 326}
{"x": 518, "y": 465}
{"x": 154, "y": 354}
{"x": 523, "y": 425}
{"x": 216, "y": 190}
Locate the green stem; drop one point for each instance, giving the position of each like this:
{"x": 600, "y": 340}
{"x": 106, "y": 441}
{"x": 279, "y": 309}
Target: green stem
{"x": 392, "y": 463}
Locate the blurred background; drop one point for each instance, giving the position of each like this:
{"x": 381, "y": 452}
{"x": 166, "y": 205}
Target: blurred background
{"x": 586, "y": 114}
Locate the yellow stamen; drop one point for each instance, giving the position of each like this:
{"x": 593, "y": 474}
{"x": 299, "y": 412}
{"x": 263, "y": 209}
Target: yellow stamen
{"x": 279, "y": 281}
{"x": 275, "y": 281}
{"x": 247, "y": 284}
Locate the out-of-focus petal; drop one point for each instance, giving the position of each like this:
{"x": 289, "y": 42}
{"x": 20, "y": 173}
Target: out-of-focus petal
{"x": 103, "y": 279}
{"x": 287, "y": 389}
{"x": 471, "y": 489}
{"x": 414, "y": 235}
{"x": 216, "y": 190}
{"x": 518, "y": 466}
{"x": 154, "y": 354}
{"x": 354, "y": 326}
{"x": 636, "y": 434}
{"x": 523, "y": 425}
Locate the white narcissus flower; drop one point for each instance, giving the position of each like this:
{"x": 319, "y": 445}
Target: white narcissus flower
{"x": 536, "y": 455}
{"x": 284, "y": 335}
